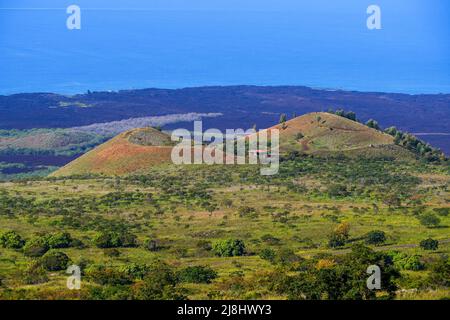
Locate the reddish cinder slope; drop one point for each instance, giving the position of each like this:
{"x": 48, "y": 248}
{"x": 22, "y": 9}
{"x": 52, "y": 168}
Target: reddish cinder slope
{"x": 120, "y": 156}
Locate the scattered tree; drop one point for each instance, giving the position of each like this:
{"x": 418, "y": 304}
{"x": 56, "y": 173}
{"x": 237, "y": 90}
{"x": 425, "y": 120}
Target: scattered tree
{"x": 440, "y": 273}
{"x": 229, "y": 248}
{"x": 11, "y": 240}
{"x": 429, "y": 244}
{"x": 197, "y": 274}
{"x": 429, "y": 220}
{"x": 267, "y": 254}
{"x": 160, "y": 283}
{"x": 55, "y": 261}
{"x": 36, "y": 247}
{"x": 373, "y": 124}
{"x": 340, "y": 235}
{"x": 376, "y": 237}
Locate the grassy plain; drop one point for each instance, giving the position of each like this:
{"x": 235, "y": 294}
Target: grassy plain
{"x": 187, "y": 209}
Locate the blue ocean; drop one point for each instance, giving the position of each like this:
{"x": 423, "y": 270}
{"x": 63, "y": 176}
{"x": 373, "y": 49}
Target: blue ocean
{"x": 173, "y": 44}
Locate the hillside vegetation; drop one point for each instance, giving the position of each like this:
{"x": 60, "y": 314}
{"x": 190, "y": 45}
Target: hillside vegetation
{"x": 321, "y": 131}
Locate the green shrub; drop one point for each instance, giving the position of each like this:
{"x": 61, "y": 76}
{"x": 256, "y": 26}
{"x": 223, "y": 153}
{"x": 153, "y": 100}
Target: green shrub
{"x": 248, "y": 212}
{"x": 404, "y": 261}
{"x": 112, "y": 239}
{"x": 35, "y": 274}
{"x": 268, "y": 254}
{"x": 429, "y": 244}
{"x": 128, "y": 240}
{"x": 55, "y": 261}
{"x": 160, "y": 283}
{"x": 337, "y": 190}
{"x": 108, "y": 292}
{"x": 111, "y": 252}
{"x": 286, "y": 257}
{"x": 342, "y": 113}
{"x": 336, "y": 241}
{"x": 11, "y": 240}
{"x": 375, "y": 237}
{"x": 373, "y": 124}
{"x": 204, "y": 245}
{"x": 107, "y": 240}
{"x": 419, "y": 147}
{"x": 197, "y": 274}
{"x": 413, "y": 263}
{"x": 340, "y": 235}
{"x": 429, "y": 220}
{"x": 442, "y": 211}
{"x": 346, "y": 280}
{"x": 59, "y": 240}
{"x": 440, "y": 273}
{"x": 299, "y": 136}
{"x": 229, "y": 248}
{"x": 135, "y": 270}
{"x": 103, "y": 275}
{"x": 179, "y": 252}
{"x": 152, "y": 245}
{"x": 77, "y": 243}
{"x": 36, "y": 247}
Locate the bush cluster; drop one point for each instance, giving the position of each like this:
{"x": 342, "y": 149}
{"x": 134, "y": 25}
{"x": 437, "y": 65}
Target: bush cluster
{"x": 229, "y": 248}
{"x": 113, "y": 239}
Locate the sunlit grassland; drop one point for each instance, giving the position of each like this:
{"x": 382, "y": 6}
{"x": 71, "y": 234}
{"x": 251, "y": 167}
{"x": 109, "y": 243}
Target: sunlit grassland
{"x": 300, "y": 219}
